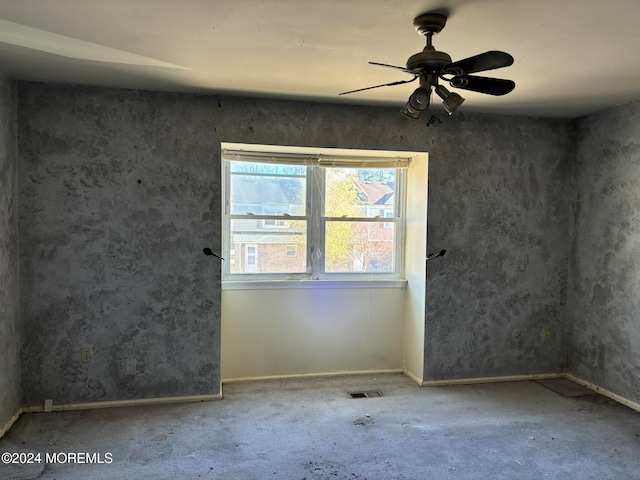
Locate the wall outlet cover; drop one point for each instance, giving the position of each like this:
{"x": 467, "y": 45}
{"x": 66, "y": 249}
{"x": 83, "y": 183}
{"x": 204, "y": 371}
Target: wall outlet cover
{"x": 85, "y": 354}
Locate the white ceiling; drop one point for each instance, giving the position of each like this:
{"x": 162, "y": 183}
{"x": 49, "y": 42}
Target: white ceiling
{"x": 572, "y": 57}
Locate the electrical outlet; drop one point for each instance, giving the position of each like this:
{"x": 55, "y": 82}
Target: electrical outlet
{"x": 85, "y": 354}
{"x": 546, "y": 334}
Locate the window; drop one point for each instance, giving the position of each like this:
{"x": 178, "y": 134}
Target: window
{"x": 296, "y": 216}
{"x": 251, "y": 257}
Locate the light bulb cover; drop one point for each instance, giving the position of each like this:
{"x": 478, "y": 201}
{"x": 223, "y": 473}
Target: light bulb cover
{"x": 450, "y": 101}
{"x": 420, "y": 99}
{"x": 409, "y": 112}
{"x": 417, "y": 103}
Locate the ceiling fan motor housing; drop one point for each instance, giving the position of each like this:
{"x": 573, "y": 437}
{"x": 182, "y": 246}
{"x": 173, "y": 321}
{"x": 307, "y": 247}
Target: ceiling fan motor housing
{"x": 428, "y": 61}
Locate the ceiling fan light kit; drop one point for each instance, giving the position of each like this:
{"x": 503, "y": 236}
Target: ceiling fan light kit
{"x": 431, "y": 66}
{"x": 418, "y": 102}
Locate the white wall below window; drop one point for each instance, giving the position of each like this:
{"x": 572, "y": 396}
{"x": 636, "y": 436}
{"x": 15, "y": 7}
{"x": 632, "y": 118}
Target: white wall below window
{"x": 302, "y": 331}
{"x": 327, "y": 329}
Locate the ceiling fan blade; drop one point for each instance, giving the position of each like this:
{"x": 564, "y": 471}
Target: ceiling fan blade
{"x": 479, "y": 63}
{"x": 402, "y": 69}
{"x": 491, "y": 86}
{"x": 378, "y": 86}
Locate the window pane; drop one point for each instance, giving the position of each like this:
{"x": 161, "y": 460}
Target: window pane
{"x": 363, "y": 192}
{"x": 256, "y": 248}
{"x": 359, "y": 247}
{"x": 266, "y": 189}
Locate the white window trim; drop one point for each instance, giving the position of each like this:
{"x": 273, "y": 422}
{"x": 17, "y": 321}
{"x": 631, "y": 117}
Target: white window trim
{"x": 315, "y": 276}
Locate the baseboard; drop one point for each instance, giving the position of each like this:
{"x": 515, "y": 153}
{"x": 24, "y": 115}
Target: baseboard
{"x": 471, "y": 381}
{"x": 547, "y": 376}
{"x": 431, "y": 383}
{"x": 313, "y": 375}
{"x": 7, "y": 426}
{"x": 125, "y": 403}
{"x": 413, "y": 377}
{"x": 603, "y": 391}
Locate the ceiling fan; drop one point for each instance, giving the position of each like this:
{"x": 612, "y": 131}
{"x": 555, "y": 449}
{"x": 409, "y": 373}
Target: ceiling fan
{"x": 430, "y": 66}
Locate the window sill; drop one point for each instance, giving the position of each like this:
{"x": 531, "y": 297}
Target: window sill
{"x": 322, "y": 284}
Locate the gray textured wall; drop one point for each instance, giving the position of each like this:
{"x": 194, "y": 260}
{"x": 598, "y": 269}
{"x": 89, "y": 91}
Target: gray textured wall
{"x": 499, "y": 204}
{"x": 10, "y": 377}
{"x": 119, "y": 192}
{"x": 115, "y": 264}
{"x": 604, "y": 269}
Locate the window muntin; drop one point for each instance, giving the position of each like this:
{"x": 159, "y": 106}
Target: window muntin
{"x": 313, "y": 222}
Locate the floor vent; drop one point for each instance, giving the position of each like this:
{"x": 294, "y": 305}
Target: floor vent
{"x": 370, "y": 394}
